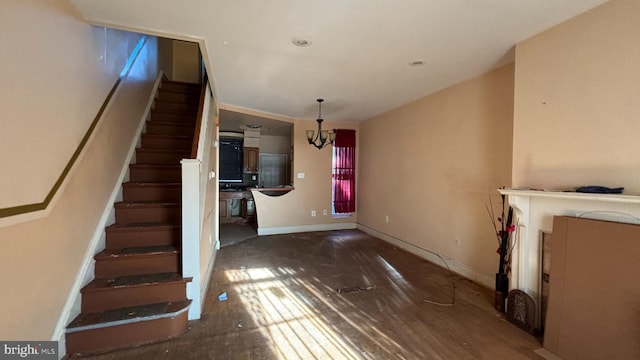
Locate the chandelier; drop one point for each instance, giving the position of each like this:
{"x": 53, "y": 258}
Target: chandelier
{"x": 319, "y": 140}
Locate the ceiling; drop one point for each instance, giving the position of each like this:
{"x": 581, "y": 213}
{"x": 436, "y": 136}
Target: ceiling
{"x": 360, "y": 51}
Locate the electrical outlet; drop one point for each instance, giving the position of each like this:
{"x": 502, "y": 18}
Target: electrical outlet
{"x": 300, "y": 175}
{"x": 456, "y": 240}
{"x": 386, "y": 219}
{"x": 324, "y": 212}
{"x": 313, "y": 213}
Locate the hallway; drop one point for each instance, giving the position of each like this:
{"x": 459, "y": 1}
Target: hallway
{"x": 283, "y": 303}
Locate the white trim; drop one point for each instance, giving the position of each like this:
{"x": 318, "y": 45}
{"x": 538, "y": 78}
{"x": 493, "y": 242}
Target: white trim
{"x": 191, "y": 232}
{"x": 614, "y": 198}
{"x": 85, "y": 272}
{"x": 438, "y": 259}
{"x": 305, "y": 228}
{"x": 207, "y": 275}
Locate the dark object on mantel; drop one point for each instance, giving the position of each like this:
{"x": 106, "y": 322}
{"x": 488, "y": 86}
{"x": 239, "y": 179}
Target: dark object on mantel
{"x": 599, "y": 190}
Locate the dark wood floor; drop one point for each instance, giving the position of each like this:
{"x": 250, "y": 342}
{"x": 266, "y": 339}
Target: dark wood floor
{"x": 283, "y": 304}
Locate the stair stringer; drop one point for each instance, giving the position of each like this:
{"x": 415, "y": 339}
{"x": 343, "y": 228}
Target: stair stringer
{"x": 85, "y": 273}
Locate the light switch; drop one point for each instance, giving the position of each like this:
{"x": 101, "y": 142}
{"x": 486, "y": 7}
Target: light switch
{"x": 300, "y": 175}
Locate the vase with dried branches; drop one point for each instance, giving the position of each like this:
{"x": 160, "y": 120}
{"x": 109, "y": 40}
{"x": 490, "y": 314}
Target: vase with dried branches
{"x": 503, "y": 228}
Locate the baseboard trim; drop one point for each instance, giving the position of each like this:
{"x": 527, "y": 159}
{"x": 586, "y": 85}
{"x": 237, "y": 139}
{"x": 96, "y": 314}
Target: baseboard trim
{"x": 461, "y": 269}
{"x": 305, "y": 228}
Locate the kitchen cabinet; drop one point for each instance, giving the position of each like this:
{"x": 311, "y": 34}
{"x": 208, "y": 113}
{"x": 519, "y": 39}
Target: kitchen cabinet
{"x": 236, "y": 205}
{"x": 251, "y": 159}
{"x": 224, "y": 208}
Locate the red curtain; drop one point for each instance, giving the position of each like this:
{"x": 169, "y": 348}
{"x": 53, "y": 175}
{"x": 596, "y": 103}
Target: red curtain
{"x": 344, "y": 172}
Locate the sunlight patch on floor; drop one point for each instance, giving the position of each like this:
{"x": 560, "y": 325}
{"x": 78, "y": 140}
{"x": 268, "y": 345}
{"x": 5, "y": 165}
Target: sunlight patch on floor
{"x": 292, "y": 322}
{"x": 295, "y": 331}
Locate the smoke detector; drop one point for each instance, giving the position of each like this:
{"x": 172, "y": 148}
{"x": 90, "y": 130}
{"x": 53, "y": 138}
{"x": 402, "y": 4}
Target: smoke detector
{"x": 301, "y": 41}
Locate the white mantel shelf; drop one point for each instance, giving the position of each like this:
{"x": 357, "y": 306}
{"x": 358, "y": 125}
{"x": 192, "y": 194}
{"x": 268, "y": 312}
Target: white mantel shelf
{"x": 534, "y": 211}
{"x": 622, "y": 198}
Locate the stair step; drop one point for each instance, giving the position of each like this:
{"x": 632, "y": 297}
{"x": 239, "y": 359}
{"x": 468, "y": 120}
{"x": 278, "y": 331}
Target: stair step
{"x": 190, "y": 97}
{"x": 170, "y": 128}
{"x": 149, "y": 191}
{"x": 137, "y": 261}
{"x": 148, "y": 211}
{"x": 142, "y": 234}
{"x": 151, "y": 141}
{"x": 175, "y": 107}
{"x": 157, "y": 173}
{"x": 168, "y": 116}
{"x": 178, "y": 86}
{"x": 126, "y": 327}
{"x": 161, "y": 156}
{"x": 134, "y": 290}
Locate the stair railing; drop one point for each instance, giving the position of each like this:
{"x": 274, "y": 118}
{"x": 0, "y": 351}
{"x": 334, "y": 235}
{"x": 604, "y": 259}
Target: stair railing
{"x": 195, "y": 175}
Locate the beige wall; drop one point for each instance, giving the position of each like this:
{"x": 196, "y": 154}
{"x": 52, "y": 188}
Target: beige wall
{"x": 165, "y": 53}
{"x": 577, "y": 102}
{"x": 311, "y": 193}
{"x": 186, "y": 61}
{"x": 270, "y": 144}
{"x": 54, "y": 78}
{"x": 58, "y": 80}
{"x": 431, "y": 165}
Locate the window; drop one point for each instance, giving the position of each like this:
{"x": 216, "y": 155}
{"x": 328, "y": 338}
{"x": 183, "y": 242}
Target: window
{"x": 344, "y": 172}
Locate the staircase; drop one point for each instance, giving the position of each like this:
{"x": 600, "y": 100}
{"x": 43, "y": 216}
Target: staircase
{"x": 138, "y": 295}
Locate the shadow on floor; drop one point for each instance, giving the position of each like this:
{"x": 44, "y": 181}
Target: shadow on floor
{"x": 236, "y": 232}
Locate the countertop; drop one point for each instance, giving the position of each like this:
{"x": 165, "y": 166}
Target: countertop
{"x": 272, "y": 189}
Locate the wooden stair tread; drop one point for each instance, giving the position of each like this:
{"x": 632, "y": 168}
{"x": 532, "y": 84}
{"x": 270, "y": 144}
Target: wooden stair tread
{"x": 127, "y": 315}
{"x": 151, "y": 184}
{"x": 173, "y": 123}
{"x": 193, "y": 104}
{"x": 142, "y": 251}
{"x": 163, "y": 136}
{"x": 144, "y": 226}
{"x": 144, "y": 204}
{"x": 107, "y": 284}
{"x": 163, "y": 151}
{"x": 156, "y": 166}
{"x": 180, "y": 84}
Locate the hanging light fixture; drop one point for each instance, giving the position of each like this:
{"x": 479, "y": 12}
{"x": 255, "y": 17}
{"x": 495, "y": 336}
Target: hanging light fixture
{"x": 319, "y": 140}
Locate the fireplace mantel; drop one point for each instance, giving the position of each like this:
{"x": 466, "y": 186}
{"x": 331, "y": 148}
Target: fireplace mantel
{"x": 535, "y": 209}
